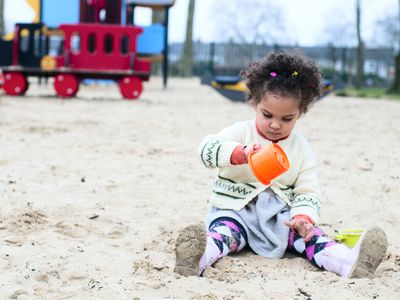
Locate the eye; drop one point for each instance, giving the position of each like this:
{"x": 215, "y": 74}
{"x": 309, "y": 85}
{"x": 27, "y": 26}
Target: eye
{"x": 268, "y": 116}
{"x": 287, "y": 119}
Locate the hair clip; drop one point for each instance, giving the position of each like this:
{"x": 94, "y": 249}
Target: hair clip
{"x": 295, "y": 74}
{"x": 273, "y": 74}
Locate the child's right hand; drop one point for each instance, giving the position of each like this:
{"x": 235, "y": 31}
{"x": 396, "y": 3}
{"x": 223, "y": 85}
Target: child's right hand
{"x": 240, "y": 153}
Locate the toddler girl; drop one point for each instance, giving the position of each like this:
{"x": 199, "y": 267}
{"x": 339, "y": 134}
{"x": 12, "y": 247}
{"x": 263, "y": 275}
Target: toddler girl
{"x": 282, "y": 216}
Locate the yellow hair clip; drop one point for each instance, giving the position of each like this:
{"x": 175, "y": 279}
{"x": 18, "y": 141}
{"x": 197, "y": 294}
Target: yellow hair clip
{"x": 295, "y": 73}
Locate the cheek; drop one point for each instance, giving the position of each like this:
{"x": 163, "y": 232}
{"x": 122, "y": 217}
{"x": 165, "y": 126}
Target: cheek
{"x": 289, "y": 126}
{"x": 262, "y": 122}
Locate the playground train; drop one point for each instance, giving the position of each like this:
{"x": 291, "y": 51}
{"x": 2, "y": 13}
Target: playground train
{"x": 82, "y": 51}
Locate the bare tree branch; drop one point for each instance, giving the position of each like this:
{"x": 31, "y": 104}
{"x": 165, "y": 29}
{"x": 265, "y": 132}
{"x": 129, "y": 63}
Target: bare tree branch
{"x": 235, "y": 22}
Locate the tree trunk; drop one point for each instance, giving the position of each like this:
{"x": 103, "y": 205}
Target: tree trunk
{"x": 360, "y": 49}
{"x": 187, "y": 56}
{"x": 395, "y": 88}
{"x": 1, "y": 18}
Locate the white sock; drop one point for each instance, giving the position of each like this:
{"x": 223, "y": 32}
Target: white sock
{"x": 210, "y": 256}
{"x": 338, "y": 258}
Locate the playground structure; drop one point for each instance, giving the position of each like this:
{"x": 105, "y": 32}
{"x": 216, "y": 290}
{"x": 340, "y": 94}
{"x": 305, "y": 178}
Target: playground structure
{"x": 98, "y": 48}
{"x": 103, "y": 51}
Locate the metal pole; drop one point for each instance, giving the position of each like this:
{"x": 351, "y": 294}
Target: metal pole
{"x": 165, "y": 56}
{"x": 211, "y": 58}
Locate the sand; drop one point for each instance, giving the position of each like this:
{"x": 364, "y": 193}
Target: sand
{"x": 94, "y": 190}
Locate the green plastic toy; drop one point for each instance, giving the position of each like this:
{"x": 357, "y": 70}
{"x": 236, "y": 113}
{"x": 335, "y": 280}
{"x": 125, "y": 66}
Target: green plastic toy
{"x": 349, "y": 237}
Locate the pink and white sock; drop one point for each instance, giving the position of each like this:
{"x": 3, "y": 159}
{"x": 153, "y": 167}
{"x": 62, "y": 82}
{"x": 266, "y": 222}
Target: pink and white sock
{"x": 225, "y": 235}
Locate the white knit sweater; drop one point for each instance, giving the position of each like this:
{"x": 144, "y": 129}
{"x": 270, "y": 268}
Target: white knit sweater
{"x": 236, "y": 185}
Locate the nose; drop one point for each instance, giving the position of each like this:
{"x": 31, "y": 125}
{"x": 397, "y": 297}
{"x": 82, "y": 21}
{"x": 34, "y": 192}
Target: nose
{"x": 275, "y": 125}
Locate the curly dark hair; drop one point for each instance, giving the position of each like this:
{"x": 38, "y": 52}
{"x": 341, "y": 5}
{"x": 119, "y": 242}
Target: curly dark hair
{"x": 285, "y": 74}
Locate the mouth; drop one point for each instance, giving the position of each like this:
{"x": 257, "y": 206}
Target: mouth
{"x": 274, "y": 133}
{"x": 274, "y": 136}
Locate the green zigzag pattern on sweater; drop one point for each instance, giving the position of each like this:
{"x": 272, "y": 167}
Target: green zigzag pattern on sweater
{"x": 234, "y": 190}
{"x": 306, "y": 201}
{"x": 207, "y": 155}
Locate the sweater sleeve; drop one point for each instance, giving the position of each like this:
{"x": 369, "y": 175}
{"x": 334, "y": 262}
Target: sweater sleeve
{"x": 306, "y": 188}
{"x": 215, "y": 150}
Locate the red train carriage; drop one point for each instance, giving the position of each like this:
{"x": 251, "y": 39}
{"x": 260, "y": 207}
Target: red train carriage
{"x": 90, "y": 51}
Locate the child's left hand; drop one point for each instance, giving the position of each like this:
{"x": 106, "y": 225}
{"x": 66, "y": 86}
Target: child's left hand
{"x": 303, "y": 228}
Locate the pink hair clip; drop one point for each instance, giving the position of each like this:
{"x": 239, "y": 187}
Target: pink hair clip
{"x": 273, "y": 74}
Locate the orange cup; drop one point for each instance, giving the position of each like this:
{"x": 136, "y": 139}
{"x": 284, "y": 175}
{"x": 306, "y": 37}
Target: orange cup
{"x": 268, "y": 163}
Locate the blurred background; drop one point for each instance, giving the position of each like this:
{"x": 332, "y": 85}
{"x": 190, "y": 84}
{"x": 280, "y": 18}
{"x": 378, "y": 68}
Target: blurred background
{"x": 355, "y": 42}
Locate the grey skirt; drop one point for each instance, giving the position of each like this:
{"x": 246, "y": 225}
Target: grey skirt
{"x": 263, "y": 219}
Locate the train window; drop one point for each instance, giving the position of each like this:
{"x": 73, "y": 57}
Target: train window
{"x": 24, "y": 42}
{"x": 108, "y": 43}
{"x": 124, "y": 44}
{"x": 37, "y": 42}
{"x": 91, "y": 43}
{"x": 56, "y": 44}
{"x": 75, "y": 42}
{"x": 103, "y": 15}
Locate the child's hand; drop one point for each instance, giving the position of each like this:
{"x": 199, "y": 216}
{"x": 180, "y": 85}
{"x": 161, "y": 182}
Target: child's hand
{"x": 241, "y": 152}
{"x": 250, "y": 149}
{"x": 303, "y": 227}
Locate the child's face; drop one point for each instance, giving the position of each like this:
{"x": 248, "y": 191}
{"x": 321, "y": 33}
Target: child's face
{"x": 276, "y": 116}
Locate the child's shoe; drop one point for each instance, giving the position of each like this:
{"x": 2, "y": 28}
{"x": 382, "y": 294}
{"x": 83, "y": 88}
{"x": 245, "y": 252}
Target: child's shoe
{"x": 189, "y": 248}
{"x": 360, "y": 261}
{"x": 371, "y": 250}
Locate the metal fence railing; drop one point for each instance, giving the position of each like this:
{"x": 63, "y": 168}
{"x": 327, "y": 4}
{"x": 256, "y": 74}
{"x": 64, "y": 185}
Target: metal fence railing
{"x": 339, "y": 62}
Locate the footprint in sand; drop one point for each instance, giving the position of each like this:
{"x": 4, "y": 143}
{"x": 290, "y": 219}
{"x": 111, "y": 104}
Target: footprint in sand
{"x": 72, "y": 230}
{"x": 17, "y": 294}
{"x": 79, "y": 228}
{"x": 44, "y": 130}
{"x": 116, "y": 231}
{"x": 26, "y": 221}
